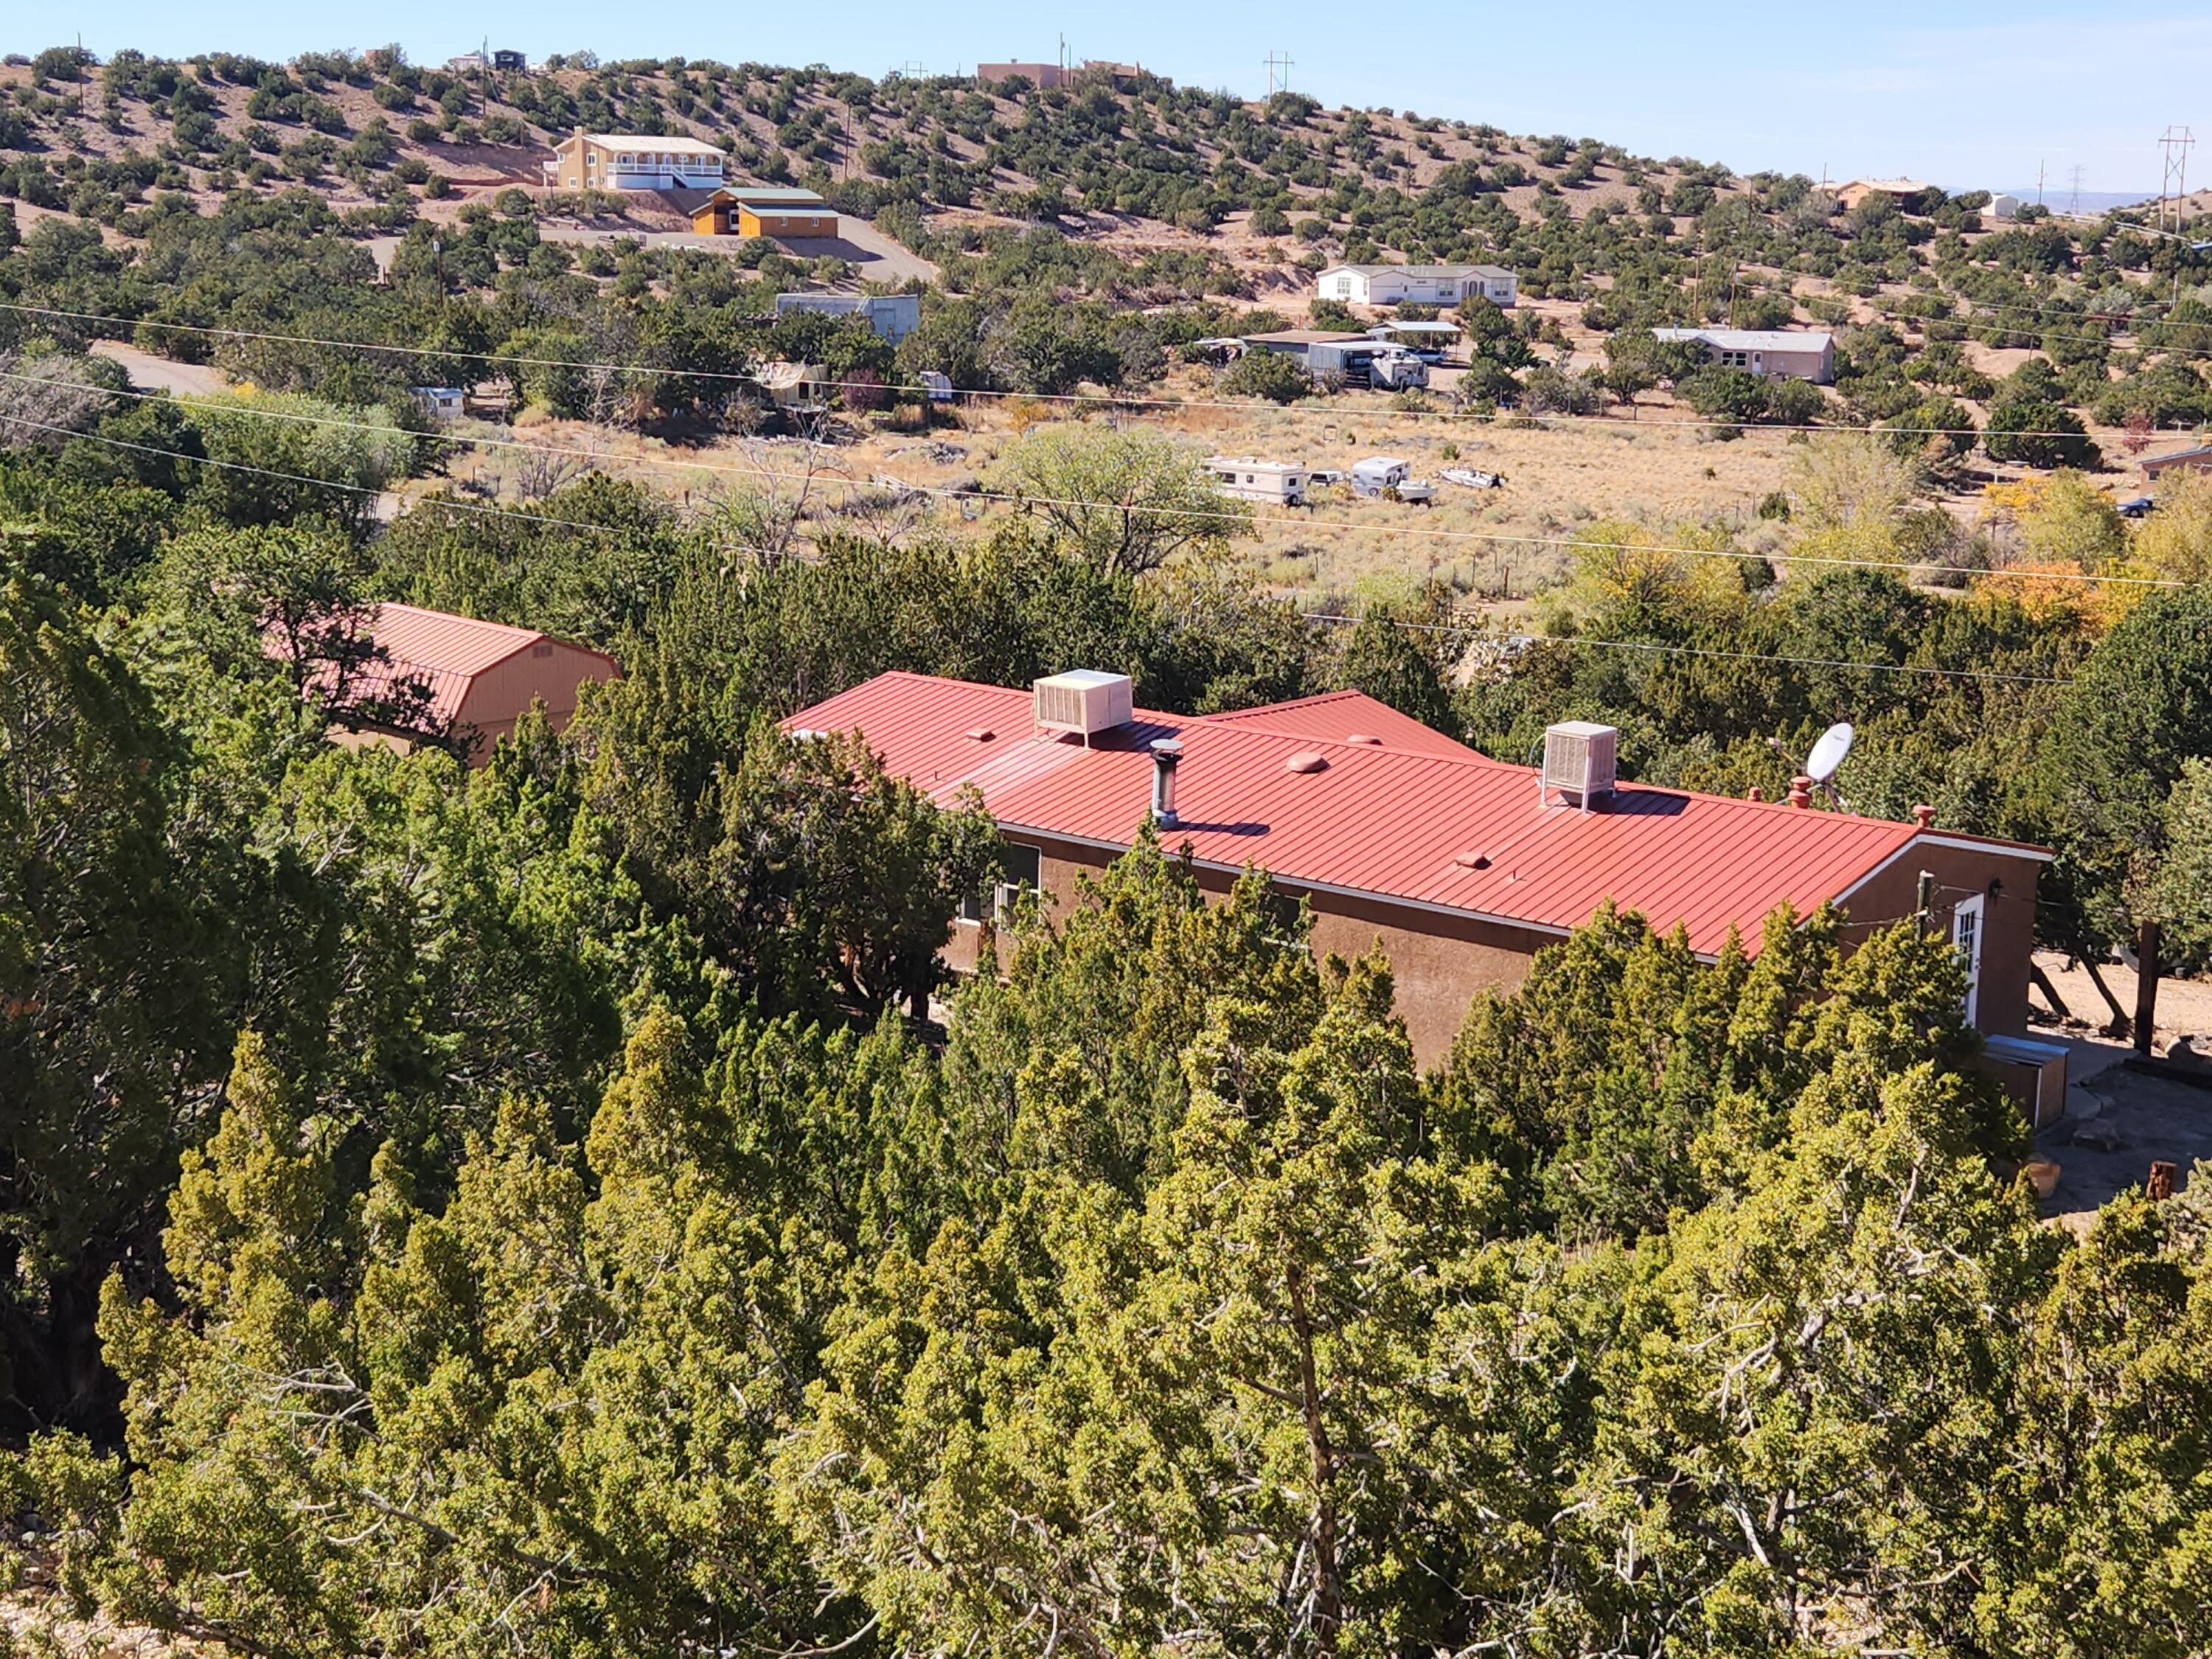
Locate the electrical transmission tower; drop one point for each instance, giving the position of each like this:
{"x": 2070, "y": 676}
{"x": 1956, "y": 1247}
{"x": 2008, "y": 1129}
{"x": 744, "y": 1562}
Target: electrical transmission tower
{"x": 2174, "y": 144}
{"x": 2074, "y": 201}
{"x": 1278, "y": 72}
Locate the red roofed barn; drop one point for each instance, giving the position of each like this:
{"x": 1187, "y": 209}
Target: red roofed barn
{"x": 1462, "y": 866}
{"x": 480, "y": 676}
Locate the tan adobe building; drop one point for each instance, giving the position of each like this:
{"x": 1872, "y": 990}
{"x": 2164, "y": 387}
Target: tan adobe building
{"x": 2197, "y": 459}
{"x": 1904, "y": 194}
{"x": 1046, "y": 76}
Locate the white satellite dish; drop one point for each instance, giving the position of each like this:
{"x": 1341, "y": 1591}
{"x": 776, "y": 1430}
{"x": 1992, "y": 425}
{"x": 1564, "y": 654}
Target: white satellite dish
{"x": 1828, "y": 754}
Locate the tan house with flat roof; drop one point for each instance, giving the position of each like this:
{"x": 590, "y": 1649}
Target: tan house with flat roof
{"x": 1905, "y": 195}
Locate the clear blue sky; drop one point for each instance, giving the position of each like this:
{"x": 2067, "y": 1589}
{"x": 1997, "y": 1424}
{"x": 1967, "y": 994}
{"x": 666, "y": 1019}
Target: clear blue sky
{"x": 1966, "y": 95}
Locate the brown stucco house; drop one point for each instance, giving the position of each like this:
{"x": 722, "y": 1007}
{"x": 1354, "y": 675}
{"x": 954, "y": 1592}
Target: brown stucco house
{"x": 1462, "y": 866}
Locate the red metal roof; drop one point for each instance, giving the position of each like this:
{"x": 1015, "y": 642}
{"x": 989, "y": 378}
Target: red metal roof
{"x": 1415, "y": 824}
{"x": 440, "y": 650}
{"x": 443, "y": 650}
{"x": 1343, "y": 716}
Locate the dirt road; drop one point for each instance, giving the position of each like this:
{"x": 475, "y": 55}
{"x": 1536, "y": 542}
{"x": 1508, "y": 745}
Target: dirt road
{"x": 875, "y": 257}
{"x": 152, "y": 374}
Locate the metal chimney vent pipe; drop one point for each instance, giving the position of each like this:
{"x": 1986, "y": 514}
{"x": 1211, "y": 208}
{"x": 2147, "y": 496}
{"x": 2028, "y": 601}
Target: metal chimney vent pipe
{"x": 1166, "y": 752}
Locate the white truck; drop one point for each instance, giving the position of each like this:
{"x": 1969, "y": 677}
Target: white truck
{"x": 1371, "y": 363}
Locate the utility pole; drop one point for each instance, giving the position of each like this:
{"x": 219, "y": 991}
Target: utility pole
{"x": 1278, "y": 72}
{"x": 2174, "y": 145}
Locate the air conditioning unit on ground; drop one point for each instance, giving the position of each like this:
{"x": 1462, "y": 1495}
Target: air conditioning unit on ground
{"x": 1579, "y": 760}
{"x": 1084, "y": 701}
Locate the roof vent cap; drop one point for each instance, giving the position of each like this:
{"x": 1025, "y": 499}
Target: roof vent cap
{"x": 1364, "y": 739}
{"x": 1580, "y": 761}
{"x": 1307, "y": 760}
{"x": 1084, "y": 701}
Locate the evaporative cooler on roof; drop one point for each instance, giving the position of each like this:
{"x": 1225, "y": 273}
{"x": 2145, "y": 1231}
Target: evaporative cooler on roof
{"x": 1084, "y": 701}
{"x": 1579, "y": 760}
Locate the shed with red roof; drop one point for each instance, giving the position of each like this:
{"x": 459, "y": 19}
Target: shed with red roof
{"x": 1462, "y": 866}
{"x": 473, "y": 680}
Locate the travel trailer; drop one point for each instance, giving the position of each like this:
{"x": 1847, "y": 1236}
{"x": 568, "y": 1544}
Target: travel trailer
{"x": 1279, "y": 484}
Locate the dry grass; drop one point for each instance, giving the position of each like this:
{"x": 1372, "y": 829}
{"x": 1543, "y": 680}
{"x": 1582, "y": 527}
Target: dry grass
{"x": 1559, "y": 480}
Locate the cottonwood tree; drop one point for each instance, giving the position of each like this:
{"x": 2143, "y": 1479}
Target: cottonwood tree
{"x": 1126, "y": 500}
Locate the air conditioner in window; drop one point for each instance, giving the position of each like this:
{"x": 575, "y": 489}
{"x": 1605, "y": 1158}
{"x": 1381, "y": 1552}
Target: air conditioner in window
{"x": 1579, "y": 760}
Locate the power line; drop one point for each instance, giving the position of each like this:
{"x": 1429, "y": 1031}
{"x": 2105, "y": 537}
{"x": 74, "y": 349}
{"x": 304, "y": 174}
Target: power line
{"x": 1118, "y": 400}
{"x": 321, "y": 483}
{"x": 1324, "y": 617}
{"x": 1011, "y": 499}
{"x": 1703, "y": 651}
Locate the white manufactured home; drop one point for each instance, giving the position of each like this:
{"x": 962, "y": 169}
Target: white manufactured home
{"x": 1279, "y": 484}
{"x": 1428, "y": 285}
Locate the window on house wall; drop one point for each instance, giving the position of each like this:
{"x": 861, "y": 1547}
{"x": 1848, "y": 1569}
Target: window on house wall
{"x": 1020, "y": 871}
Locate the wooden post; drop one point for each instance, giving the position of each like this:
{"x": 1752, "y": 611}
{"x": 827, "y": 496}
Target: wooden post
{"x": 2160, "y": 1184}
{"x": 2146, "y": 984}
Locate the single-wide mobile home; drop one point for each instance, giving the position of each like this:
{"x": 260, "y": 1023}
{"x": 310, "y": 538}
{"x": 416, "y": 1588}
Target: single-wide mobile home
{"x": 1774, "y": 354}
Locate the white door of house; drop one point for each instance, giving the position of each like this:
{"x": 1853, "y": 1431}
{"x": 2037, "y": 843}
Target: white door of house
{"x": 1966, "y": 938}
